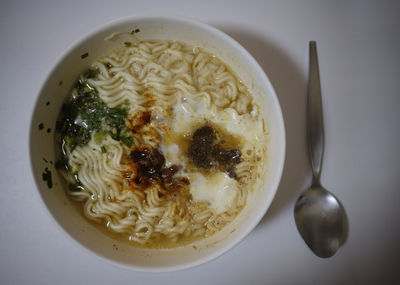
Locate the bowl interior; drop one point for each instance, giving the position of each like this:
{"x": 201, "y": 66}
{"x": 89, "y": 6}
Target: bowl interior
{"x": 42, "y": 149}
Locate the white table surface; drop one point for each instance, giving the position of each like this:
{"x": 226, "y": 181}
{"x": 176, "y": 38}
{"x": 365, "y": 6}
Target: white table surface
{"x": 359, "y": 45}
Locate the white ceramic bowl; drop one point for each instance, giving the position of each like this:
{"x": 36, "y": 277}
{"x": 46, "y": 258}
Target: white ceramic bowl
{"x": 42, "y": 147}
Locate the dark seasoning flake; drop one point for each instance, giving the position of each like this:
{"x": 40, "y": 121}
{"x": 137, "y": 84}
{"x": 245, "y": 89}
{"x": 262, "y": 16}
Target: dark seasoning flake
{"x": 135, "y": 31}
{"x": 46, "y": 176}
{"x": 208, "y": 152}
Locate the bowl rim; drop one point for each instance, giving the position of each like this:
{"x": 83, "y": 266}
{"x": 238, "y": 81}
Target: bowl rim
{"x": 279, "y": 121}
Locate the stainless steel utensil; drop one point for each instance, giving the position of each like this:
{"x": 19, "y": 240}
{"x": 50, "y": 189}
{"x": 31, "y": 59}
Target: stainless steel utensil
{"x": 320, "y": 218}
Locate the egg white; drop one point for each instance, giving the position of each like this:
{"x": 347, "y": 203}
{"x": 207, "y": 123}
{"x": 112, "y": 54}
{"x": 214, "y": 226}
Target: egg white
{"x": 217, "y": 188}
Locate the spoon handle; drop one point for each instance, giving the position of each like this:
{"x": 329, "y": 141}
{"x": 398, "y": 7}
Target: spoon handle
{"x": 315, "y": 126}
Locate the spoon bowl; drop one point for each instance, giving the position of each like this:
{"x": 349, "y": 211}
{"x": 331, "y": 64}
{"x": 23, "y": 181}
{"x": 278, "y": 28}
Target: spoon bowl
{"x": 319, "y": 219}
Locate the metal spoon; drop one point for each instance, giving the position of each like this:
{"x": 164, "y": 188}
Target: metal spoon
{"x": 320, "y": 218}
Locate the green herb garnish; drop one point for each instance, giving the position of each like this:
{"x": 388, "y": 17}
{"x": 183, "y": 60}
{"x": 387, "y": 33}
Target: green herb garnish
{"x": 85, "y": 55}
{"x": 108, "y": 65}
{"x": 99, "y": 137}
{"x": 128, "y": 44}
{"x": 103, "y": 149}
{"x": 86, "y": 114}
{"x": 91, "y": 73}
{"x": 126, "y": 138}
{"x": 127, "y": 103}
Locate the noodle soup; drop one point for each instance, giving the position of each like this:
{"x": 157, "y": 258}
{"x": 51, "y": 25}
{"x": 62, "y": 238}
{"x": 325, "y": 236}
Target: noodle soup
{"x": 161, "y": 143}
